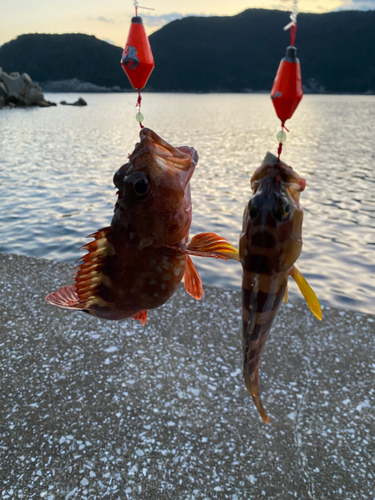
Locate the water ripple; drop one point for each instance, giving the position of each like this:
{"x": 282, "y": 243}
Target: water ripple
{"x": 57, "y": 165}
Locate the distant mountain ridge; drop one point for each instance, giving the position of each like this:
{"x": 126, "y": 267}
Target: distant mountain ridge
{"x": 213, "y": 54}
{"x": 64, "y": 57}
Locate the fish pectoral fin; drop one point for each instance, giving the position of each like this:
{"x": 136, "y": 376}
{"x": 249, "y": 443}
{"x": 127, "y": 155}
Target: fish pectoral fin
{"x": 286, "y": 294}
{"x": 141, "y": 315}
{"x": 308, "y": 293}
{"x": 66, "y": 298}
{"x": 211, "y": 245}
{"x": 192, "y": 280}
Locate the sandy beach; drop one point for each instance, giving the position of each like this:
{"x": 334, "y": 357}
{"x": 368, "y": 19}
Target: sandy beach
{"x": 96, "y": 409}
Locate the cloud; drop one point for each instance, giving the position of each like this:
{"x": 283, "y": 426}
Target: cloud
{"x": 104, "y": 20}
{"x": 358, "y": 5}
{"x": 153, "y": 21}
{"x": 108, "y": 40}
{"x": 157, "y": 21}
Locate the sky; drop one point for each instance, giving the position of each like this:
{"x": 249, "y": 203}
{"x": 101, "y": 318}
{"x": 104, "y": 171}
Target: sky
{"x": 109, "y": 19}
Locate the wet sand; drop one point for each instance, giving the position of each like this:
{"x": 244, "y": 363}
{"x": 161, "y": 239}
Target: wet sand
{"x": 97, "y": 409}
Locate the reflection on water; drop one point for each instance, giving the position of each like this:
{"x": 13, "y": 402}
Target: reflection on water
{"x": 57, "y": 164}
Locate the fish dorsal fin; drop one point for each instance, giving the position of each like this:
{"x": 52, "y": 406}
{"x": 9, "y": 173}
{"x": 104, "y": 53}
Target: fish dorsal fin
{"x": 308, "y": 293}
{"x": 211, "y": 245}
{"x": 89, "y": 275}
{"x": 66, "y": 298}
{"x": 141, "y": 315}
{"x": 192, "y": 280}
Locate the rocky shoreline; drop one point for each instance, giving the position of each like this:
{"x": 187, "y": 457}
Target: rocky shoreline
{"x": 75, "y": 85}
{"x": 18, "y": 90}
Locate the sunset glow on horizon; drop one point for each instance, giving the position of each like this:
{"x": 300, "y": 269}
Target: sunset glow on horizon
{"x": 109, "y": 20}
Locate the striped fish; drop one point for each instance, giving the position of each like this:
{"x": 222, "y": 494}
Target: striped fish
{"x": 137, "y": 262}
{"x": 270, "y": 243}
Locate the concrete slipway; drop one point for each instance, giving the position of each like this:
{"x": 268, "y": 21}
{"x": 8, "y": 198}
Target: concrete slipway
{"x": 93, "y": 409}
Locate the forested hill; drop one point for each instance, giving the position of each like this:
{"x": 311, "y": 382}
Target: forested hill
{"x": 64, "y": 57}
{"x": 238, "y": 53}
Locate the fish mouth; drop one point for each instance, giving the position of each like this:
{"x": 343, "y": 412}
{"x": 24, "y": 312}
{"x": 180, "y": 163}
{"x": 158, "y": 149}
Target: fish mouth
{"x": 184, "y": 158}
{"x": 283, "y": 173}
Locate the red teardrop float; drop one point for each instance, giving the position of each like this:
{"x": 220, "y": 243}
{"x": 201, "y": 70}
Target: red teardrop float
{"x": 137, "y": 59}
{"x": 287, "y": 92}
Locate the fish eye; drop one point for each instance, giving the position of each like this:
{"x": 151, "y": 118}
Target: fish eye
{"x": 140, "y": 183}
{"x": 141, "y": 187}
{"x": 254, "y": 206}
{"x": 281, "y": 209}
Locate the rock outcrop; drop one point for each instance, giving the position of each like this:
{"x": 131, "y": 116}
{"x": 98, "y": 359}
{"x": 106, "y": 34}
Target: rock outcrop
{"x": 20, "y": 90}
{"x": 80, "y": 102}
{"x": 75, "y": 85}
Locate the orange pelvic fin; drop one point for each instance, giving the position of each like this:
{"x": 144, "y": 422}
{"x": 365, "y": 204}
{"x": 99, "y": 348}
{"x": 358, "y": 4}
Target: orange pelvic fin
{"x": 211, "y": 245}
{"x": 66, "y": 298}
{"x": 192, "y": 280}
{"x": 141, "y": 315}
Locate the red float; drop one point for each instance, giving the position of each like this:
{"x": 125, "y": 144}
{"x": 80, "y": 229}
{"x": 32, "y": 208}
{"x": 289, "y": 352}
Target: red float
{"x": 287, "y": 92}
{"x": 137, "y": 59}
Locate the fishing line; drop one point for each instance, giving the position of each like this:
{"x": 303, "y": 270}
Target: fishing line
{"x": 293, "y": 24}
{"x": 137, "y": 60}
{"x": 287, "y": 91}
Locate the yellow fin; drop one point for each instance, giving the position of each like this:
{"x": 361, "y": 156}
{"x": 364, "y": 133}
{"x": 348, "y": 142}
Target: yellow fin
{"x": 307, "y": 292}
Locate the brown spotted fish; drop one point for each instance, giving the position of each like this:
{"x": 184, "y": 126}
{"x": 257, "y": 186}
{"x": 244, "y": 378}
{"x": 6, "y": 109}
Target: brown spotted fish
{"x": 138, "y": 262}
{"x": 270, "y": 243}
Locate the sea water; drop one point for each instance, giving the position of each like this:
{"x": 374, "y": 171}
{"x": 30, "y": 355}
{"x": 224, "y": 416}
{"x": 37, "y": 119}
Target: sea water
{"x": 57, "y": 165}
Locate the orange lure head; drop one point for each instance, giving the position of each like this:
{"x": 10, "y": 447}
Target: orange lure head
{"x": 154, "y": 204}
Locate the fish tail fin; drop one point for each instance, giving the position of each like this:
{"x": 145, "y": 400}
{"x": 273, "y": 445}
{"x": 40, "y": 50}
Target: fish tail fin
{"x": 252, "y": 386}
{"x": 261, "y": 300}
{"x": 308, "y": 293}
{"x": 192, "y": 280}
{"x": 141, "y": 315}
{"x": 262, "y": 412}
{"x": 212, "y": 245}
{"x": 66, "y": 297}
